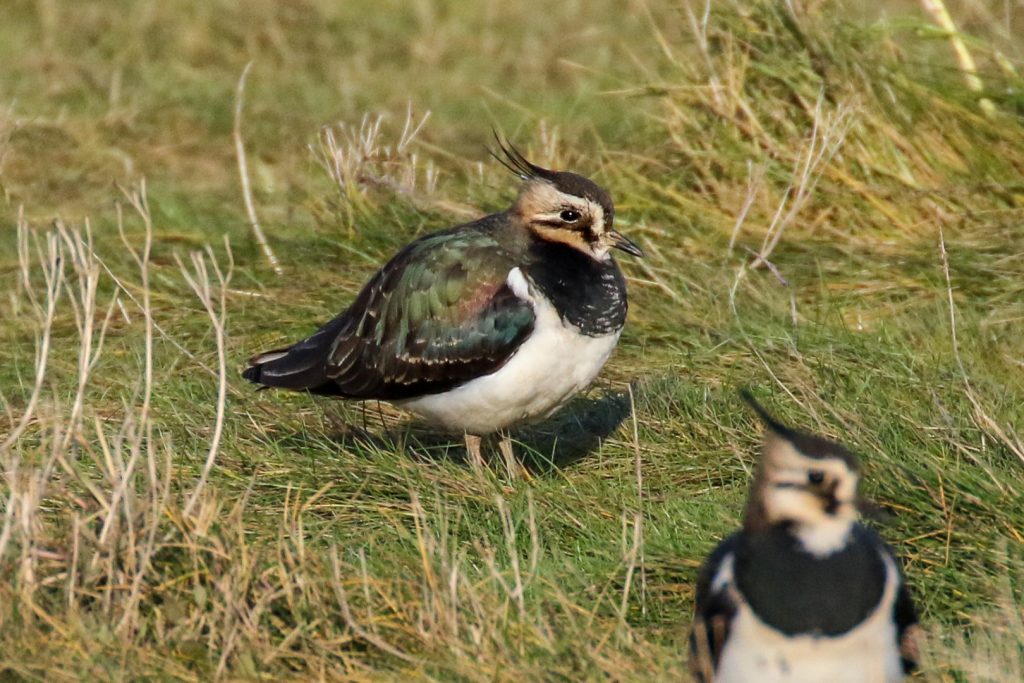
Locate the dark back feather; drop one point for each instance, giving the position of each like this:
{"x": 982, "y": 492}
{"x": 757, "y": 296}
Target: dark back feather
{"x": 439, "y": 314}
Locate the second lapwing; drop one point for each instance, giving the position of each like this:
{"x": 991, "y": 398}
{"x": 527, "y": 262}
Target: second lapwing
{"x": 803, "y": 593}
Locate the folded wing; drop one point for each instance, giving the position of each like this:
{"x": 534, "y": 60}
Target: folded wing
{"x": 439, "y": 314}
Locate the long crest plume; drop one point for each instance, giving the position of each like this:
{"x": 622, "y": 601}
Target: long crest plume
{"x": 810, "y": 445}
{"x": 769, "y": 420}
{"x": 516, "y": 163}
{"x": 755, "y": 515}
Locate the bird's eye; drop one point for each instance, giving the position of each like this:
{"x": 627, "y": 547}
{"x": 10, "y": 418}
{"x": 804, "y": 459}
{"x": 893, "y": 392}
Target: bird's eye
{"x": 815, "y": 477}
{"x": 569, "y": 216}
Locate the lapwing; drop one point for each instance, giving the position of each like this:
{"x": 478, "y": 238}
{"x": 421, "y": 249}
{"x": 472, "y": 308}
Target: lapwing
{"x": 804, "y": 593}
{"x": 484, "y": 326}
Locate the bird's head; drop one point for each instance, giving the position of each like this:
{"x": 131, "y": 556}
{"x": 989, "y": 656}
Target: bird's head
{"x": 558, "y": 206}
{"x": 804, "y": 482}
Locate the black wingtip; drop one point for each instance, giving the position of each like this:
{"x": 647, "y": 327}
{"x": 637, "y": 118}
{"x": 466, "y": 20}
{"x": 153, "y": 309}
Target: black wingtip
{"x": 769, "y": 420}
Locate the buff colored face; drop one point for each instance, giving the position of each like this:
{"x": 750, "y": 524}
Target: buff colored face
{"x": 807, "y": 490}
{"x": 580, "y": 222}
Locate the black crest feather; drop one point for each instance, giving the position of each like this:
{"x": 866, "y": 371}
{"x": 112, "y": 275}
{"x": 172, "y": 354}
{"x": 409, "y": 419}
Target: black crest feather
{"x": 770, "y": 421}
{"x": 512, "y": 159}
{"x": 811, "y": 445}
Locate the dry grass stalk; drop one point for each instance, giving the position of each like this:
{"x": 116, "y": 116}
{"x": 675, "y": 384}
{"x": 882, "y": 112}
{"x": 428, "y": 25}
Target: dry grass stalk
{"x": 214, "y": 301}
{"x": 115, "y": 478}
{"x": 1009, "y": 439}
{"x": 52, "y": 267}
{"x": 8, "y": 124}
{"x": 827, "y": 135}
{"x": 938, "y": 11}
{"x": 243, "y": 174}
{"x": 359, "y": 159}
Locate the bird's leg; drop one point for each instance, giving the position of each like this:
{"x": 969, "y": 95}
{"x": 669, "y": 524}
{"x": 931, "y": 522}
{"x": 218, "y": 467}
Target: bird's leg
{"x": 476, "y": 461}
{"x": 512, "y": 466}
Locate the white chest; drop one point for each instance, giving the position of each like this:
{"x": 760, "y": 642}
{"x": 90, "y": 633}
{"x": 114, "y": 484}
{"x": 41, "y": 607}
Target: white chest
{"x": 551, "y": 366}
{"x": 867, "y": 654}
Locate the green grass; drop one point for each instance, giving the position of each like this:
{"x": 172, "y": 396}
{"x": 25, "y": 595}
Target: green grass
{"x": 338, "y": 541}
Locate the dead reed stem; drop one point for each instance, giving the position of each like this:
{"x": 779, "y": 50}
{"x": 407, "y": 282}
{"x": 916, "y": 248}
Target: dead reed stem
{"x": 243, "y": 173}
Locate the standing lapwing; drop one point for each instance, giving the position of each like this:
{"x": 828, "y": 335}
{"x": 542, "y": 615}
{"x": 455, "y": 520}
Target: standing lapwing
{"x": 804, "y": 593}
{"x": 483, "y": 326}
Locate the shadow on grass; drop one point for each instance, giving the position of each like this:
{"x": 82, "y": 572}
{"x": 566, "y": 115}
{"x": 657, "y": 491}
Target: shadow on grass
{"x": 573, "y": 433}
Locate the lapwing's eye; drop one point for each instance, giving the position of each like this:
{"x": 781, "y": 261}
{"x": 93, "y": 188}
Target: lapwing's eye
{"x": 815, "y": 477}
{"x": 569, "y": 216}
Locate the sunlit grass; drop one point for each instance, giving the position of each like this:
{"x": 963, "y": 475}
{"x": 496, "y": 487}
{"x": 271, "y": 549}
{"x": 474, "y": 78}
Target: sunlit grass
{"x": 825, "y": 209}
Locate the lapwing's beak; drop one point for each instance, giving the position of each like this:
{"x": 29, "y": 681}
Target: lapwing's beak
{"x": 620, "y": 241}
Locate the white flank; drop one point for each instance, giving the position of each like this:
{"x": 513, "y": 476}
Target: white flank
{"x": 554, "y": 363}
{"x": 269, "y": 356}
{"x": 755, "y": 652}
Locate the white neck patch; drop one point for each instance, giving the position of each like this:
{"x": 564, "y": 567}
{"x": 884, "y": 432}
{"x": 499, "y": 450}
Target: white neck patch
{"x": 824, "y": 536}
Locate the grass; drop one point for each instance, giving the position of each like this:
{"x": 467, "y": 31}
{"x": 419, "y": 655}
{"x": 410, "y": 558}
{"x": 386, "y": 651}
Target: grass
{"x": 829, "y": 217}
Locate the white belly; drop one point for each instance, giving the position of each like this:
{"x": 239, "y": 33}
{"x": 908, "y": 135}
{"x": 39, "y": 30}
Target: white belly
{"x": 545, "y": 372}
{"x": 755, "y": 652}
{"x": 551, "y": 366}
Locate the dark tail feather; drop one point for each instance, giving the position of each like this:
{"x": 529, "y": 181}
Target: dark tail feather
{"x": 293, "y": 368}
{"x": 254, "y": 373}
{"x": 302, "y": 366}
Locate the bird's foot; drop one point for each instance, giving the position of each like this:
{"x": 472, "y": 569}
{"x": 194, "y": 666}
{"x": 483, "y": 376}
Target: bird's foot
{"x": 513, "y": 467}
{"x": 476, "y": 460}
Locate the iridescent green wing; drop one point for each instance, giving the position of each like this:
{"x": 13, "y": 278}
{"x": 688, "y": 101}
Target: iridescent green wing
{"x": 439, "y": 314}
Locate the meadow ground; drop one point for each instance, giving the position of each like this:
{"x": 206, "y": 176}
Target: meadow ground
{"x": 832, "y": 216}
